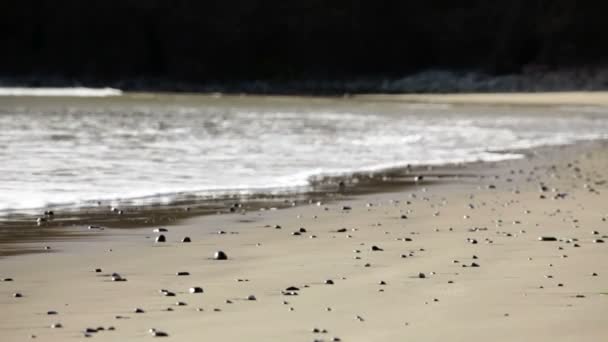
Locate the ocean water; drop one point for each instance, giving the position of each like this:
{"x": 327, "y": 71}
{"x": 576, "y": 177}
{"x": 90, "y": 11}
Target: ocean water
{"x": 74, "y": 151}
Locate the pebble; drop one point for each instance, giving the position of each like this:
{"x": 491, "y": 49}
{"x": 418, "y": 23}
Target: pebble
{"x": 186, "y": 240}
{"x": 547, "y": 238}
{"x": 376, "y": 249}
{"x": 183, "y": 273}
{"x": 251, "y": 297}
{"x": 157, "y": 333}
{"x": 160, "y": 230}
{"x": 160, "y": 238}
{"x": 220, "y": 255}
{"x": 329, "y": 282}
{"x": 421, "y": 275}
{"x": 196, "y": 289}
{"x": 56, "y": 326}
{"x": 17, "y": 295}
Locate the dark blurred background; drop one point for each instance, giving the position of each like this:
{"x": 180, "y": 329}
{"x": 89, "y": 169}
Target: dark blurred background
{"x": 198, "y": 42}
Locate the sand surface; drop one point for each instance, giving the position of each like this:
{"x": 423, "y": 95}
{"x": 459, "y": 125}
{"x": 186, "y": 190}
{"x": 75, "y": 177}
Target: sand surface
{"x": 585, "y": 98}
{"x": 523, "y": 290}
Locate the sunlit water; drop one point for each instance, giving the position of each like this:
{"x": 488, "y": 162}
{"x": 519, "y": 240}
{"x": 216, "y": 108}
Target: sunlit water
{"x": 68, "y": 151}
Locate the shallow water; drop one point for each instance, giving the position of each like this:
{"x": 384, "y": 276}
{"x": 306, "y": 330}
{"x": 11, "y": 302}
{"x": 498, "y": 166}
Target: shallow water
{"x": 148, "y": 148}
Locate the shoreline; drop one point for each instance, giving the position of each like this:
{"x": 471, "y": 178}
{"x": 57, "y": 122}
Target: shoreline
{"x": 504, "y": 209}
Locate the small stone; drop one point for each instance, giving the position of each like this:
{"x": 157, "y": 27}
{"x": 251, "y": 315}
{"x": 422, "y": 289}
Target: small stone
{"x": 181, "y": 304}
{"x": 220, "y": 255}
{"x": 186, "y": 240}
{"x": 56, "y": 326}
{"x": 117, "y": 277}
{"x": 160, "y": 238}
{"x": 160, "y": 230}
{"x": 196, "y": 289}
{"x": 7, "y": 279}
{"x": 292, "y": 288}
{"x": 382, "y": 282}
{"x": 183, "y": 273}
{"x": 598, "y": 241}
{"x": 51, "y": 312}
{"x": 157, "y": 333}
{"x": 329, "y": 282}
{"x": 547, "y": 238}
{"x": 137, "y": 311}
{"x": 421, "y": 275}
{"x": 376, "y": 249}
{"x": 17, "y": 295}
{"x": 251, "y": 297}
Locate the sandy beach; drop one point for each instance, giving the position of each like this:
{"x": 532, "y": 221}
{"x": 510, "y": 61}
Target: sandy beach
{"x": 574, "y": 98}
{"x": 458, "y": 259}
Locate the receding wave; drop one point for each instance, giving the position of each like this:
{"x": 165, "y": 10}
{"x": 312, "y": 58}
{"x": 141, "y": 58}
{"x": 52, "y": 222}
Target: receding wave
{"x": 60, "y": 92}
{"x": 150, "y": 150}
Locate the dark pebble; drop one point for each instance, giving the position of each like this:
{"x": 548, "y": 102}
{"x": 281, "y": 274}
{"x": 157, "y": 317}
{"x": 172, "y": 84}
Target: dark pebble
{"x": 220, "y": 255}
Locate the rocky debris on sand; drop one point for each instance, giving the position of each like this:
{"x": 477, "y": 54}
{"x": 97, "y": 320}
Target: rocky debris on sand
{"x": 196, "y": 289}
{"x": 220, "y": 255}
{"x": 157, "y": 333}
{"x": 547, "y": 238}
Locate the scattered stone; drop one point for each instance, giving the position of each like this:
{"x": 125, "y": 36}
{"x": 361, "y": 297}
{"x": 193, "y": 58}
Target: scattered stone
{"x": 160, "y": 238}
{"x": 157, "y": 333}
{"x": 183, "y": 273}
{"x": 196, "y": 289}
{"x": 220, "y": 255}
{"x": 161, "y": 230}
{"x": 17, "y": 295}
{"x": 117, "y": 277}
{"x": 137, "y": 311}
{"x": 51, "y": 312}
{"x": 547, "y": 238}
{"x": 421, "y": 275}
{"x": 251, "y": 297}
{"x": 167, "y": 293}
{"x": 598, "y": 241}
{"x": 329, "y": 282}
{"x": 186, "y": 240}
{"x": 56, "y": 326}
{"x": 376, "y": 249}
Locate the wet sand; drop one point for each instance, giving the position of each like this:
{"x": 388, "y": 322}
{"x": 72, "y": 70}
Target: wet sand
{"x": 458, "y": 259}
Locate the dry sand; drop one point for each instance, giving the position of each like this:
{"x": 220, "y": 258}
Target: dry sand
{"x": 585, "y": 98}
{"x": 514, "y": 294}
